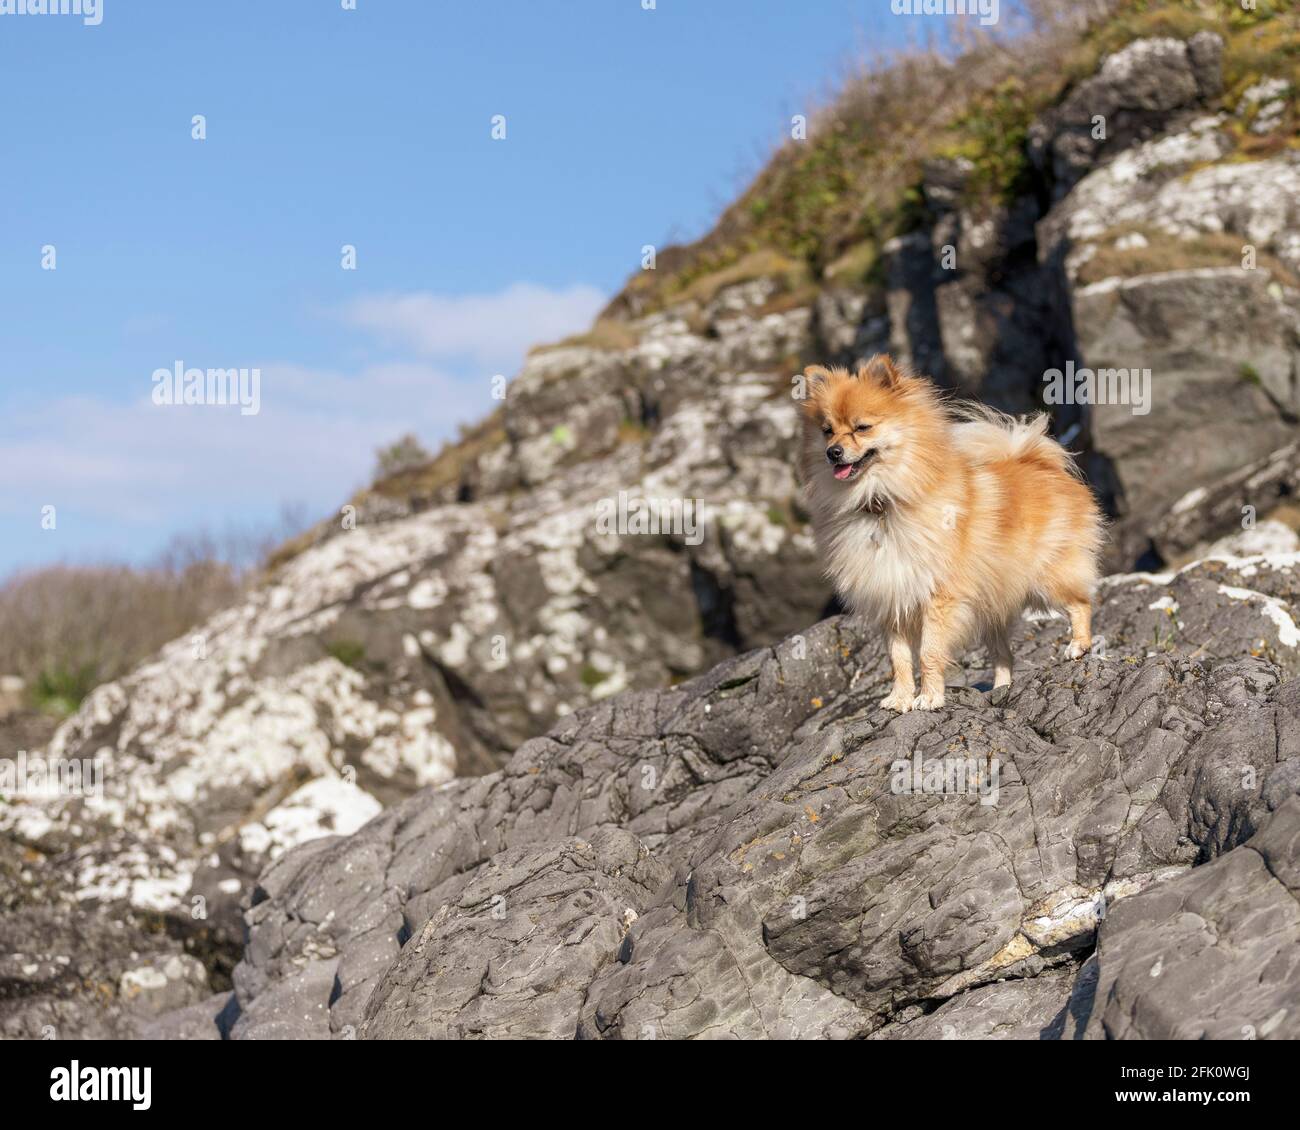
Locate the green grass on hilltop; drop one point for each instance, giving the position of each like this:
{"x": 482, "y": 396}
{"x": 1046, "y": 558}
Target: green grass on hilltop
{"x": 829, "y": 203}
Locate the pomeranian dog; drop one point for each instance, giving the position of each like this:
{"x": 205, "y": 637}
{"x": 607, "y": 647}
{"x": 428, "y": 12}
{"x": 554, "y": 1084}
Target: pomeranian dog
{"x": 943, "y": 523}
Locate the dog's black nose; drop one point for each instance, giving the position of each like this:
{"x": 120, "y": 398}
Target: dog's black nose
{"x": 835, "y": 453}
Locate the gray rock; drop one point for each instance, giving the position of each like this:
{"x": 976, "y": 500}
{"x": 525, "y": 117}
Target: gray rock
{"x": 1221, "y": 507}
{"x": 77, "y": 968}
{"x": 1139, "y": 91}
{"x": 1189, "y": 332}
{"x": 206, "y": 1020}
{"x": 1029, "y": 1008}
{"x": 738, "y": 857}
{"x": 1213, "y": 954}
{"x": 294, "y": 1008}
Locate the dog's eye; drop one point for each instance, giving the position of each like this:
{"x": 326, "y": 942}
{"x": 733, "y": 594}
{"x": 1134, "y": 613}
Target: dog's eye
{"x": 863, "y": 428}
{"x": 826, "y": 429}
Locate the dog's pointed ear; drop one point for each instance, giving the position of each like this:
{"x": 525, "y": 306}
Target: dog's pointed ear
{"x": 881, "y": 368}
{"x": 808, "y": 386}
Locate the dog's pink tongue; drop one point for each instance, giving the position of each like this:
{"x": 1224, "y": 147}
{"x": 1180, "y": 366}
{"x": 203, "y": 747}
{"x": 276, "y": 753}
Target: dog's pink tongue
{"x": 844, "y": 470}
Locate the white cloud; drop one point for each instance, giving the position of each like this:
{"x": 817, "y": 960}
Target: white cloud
{"x": 492, "y": 329}
{"x": 127, "y": 473}
{"x": 159, "y": 468}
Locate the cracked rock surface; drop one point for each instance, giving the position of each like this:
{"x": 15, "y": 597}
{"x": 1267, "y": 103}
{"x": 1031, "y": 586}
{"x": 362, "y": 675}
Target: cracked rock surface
{"x": 763, "y": 852}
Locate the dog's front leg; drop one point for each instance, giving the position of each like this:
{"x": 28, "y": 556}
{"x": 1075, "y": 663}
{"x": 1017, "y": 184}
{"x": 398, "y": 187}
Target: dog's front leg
{"x": 901, "y": 646}
{"x": 942, "y": 627}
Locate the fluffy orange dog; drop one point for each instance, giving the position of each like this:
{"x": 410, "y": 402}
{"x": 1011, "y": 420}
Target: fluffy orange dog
{"x": 943, "y": 524}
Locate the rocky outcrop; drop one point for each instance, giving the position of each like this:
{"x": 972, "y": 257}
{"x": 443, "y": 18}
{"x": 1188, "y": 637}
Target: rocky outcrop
{"x": 1235, "y": 500}
{"x": 764, "y": 852}
{"x": 73, "y": 966}
{"x": 726, "y": 831}
{"x": 1217, "y": 347}
{"x": 1138, "y": 93}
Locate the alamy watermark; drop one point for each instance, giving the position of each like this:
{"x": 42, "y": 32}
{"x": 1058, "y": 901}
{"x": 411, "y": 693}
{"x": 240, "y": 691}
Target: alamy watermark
{"x": 632, "y": 514}
{"x": 76, "y": 1083}
{"x": 1099, "y": 386}
{"x": 34, "y": 776}
{"x": 946, "y": 776}
{"x": 90, "y": 11}
{"x": 986, "y": 10}
{"x": 179, "y": 385}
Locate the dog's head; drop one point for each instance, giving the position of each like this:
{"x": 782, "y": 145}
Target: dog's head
{"x": 876, "y": 426}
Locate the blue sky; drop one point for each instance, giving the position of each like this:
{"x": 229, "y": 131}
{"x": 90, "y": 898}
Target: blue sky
{"x": 328, "y": 127}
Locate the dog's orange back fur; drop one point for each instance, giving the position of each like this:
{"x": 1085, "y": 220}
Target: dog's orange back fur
{"x": 956, "y": 520}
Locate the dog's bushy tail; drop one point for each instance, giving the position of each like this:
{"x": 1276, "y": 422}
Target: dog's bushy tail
{"x": 989, "y": 436}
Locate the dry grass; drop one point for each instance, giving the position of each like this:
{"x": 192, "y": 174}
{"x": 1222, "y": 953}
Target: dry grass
{"x": 606, "y": 333}
{"x": 861, "y": 264}
{"x": 633, "y": 431}
{"x": 763, "y": 264}
{"x": 854, "y": 183}
{"x": 447, "y": 467}
{"x": 290, "y": 548}
{"x": 64, "y": 629}
{"x": 829, "y": 203}
{"x": 1165, "y": 252}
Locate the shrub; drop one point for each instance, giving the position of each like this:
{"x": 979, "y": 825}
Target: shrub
{"x": 401, "y": 455}
{"x": 351, "y": 653}
{"x": 64, "y": 629}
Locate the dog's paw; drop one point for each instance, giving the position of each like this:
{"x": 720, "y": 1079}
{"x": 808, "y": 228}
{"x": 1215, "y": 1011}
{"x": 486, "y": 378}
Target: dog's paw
{"x": 1075, "y": 650}
{"x": 901, "y": 701}
{"x": 928, "y": 702}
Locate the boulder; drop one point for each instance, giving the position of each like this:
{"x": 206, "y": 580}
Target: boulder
{"x": 1139, "y": 91}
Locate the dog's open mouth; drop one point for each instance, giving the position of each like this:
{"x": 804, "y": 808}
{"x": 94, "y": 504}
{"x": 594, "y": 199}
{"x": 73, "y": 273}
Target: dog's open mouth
{"x": 846, "y": 471}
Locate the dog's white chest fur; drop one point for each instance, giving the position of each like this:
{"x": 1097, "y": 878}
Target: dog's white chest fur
{"x": 882, "y": 564}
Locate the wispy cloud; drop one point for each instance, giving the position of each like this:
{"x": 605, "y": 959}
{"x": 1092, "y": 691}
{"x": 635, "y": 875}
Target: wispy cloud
{"x": 126, "y": 473}
{"x": 489, "y": 329}
{"x": 125, "y": 476}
